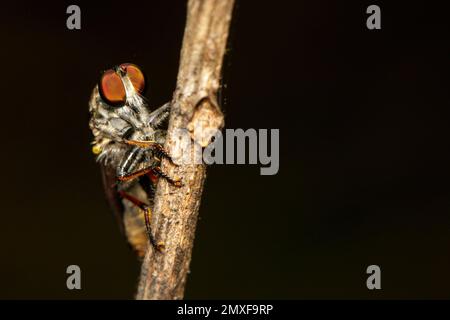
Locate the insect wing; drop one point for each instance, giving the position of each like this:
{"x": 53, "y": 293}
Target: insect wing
{"x": 112, "y": 195}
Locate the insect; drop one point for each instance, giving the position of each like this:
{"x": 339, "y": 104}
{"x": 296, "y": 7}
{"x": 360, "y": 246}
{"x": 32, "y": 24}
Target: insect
{"x": 128, "y": 143}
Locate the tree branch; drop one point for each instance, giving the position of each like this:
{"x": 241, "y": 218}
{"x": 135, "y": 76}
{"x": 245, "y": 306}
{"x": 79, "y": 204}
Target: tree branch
{"x": 194, "y": 107}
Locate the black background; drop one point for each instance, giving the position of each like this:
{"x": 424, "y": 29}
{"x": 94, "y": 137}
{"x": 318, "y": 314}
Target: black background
{"x": 364, "y": 160}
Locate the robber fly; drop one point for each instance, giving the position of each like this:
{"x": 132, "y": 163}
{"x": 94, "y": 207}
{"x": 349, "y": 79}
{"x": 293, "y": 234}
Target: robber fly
{"x": 128, "y": 142}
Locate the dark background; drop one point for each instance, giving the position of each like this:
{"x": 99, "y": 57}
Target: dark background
{"x": 364, "y": 170}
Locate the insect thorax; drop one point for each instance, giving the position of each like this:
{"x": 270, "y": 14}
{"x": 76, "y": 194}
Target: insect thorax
{"x": 111, "y": 127}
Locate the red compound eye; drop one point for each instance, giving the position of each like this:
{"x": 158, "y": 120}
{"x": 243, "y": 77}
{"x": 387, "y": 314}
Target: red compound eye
{"x": 136, "y": 76}
{"x": 112, "y": 89}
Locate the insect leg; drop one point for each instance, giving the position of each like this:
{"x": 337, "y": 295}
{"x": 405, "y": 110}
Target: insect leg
{"x": 148, "y": 184}
{"x": 159, "y": 173}
{"x": 153, "y": 170}
{"x": 126, "y": 171}
{"x": 156, "y": 147}
{"x": 135, "y": 174}
{"x": 158, "y": 116}
{"x": 147, "y": 215}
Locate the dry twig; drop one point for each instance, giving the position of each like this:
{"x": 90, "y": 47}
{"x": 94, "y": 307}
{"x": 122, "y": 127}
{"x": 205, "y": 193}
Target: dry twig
{"x": 194, "y": 107}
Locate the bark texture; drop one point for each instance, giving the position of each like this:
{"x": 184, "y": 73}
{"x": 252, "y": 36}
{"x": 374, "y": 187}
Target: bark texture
{"x": 195, "y": 108}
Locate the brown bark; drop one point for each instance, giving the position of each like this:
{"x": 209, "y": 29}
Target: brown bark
{"x": 194, "y": 107}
